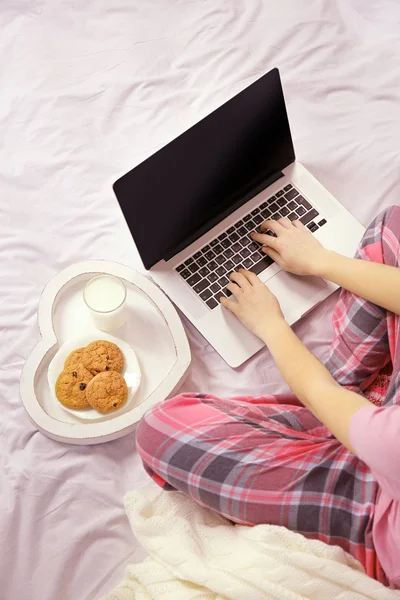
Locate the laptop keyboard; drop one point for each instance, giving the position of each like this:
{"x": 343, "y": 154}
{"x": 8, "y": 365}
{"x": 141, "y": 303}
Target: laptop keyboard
{"x": 207, "y": 271}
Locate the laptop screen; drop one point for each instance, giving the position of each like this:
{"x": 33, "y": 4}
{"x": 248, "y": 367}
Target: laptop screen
{"x": 177, "y": 194}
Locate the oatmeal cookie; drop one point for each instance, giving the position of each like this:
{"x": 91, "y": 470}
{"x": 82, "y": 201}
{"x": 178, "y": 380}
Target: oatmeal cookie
{"x": 107, "y": 391}
{"x": 102, "y": 356}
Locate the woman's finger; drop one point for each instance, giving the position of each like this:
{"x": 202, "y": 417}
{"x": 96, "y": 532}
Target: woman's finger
{"x": 284, "y": 222}
{"x": 300, "y": 225}
{"x": 251, "y": 277}
{"x": 230, "y": 305}
{"x": 235, "y": 289}
{"x": 265, "y": 239}
{"x": 275, "y": 226}
{"x": 239, "y": 279}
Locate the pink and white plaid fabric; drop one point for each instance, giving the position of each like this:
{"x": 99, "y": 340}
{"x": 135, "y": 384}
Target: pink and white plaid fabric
{"x": 268, "y": 459}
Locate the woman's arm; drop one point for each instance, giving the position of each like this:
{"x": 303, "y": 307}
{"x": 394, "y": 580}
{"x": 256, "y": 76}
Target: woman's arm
{"x": 373, "y": 281}
{"x": 312, "y": 383}
{"x": 296, "y": 251}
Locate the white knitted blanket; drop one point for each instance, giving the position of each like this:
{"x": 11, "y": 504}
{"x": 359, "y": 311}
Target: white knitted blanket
{"x": 196, "y": 555}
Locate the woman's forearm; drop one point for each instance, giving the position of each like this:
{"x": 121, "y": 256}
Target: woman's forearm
{"x": 373, "y": 281}
{"x": 311, "y": 381}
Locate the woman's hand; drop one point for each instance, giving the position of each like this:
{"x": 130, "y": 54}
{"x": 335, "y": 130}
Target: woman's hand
{"x": 294, "y": 249}
{"x": 254, "y": 304}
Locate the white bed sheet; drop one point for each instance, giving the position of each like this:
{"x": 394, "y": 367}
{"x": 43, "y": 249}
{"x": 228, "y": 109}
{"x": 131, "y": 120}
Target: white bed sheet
{"x": 88, "y": 90}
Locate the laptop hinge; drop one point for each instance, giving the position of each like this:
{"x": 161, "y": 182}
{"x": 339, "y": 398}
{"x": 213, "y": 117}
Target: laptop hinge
{"x": 244, "y": 197}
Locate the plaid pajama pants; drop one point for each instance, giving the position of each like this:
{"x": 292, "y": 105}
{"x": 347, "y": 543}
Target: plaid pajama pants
{"x": 268, "y": 459}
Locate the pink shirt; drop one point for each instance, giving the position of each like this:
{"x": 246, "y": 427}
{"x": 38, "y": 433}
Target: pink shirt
{"x": 375, "y": 436}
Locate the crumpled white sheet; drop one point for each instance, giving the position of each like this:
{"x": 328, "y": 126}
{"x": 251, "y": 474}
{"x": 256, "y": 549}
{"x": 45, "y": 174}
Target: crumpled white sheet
{"x": 198, "y": 555}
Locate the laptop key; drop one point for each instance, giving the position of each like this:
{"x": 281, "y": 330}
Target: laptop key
{"x": 220, "y": 271}
{"x": 205, "y": 249}
{"x": 247, "y": 263}
{"x": 247, "y": 218}
{"x": 281, "y": 201}
{"x": 280, "y": 193}
{"x": 274, "y": 207}
{"x": 223, "y": 282}
{"x": 193, "y": 267}
{"x": 212, "y": 277}
{"x": 256, "y": 256}
{"x": 234, "y": 237}
{"x": 261, "y": 265}
{"x": 300, "y": 211}
{"x": 188, "y": 262}
{"x": 245, "y": 241}
{"x": 255, "y": 212}
{"x": 204, "y": 272}
{"x": 258, "y": 219}
{"x": 242, "y": 231}
{"x": 293, "y": 217}
{"x": 205, "y": 295}
{"x": 308, "y": 216}
{"x": 239, "y": 224}
{"x": 230, "y": 230}
{"x": 222, "y": 236}
{"x": 287, "y": 187}
{"x": 212, "y": 265}
{"x": 237, "y": 259}
{"x": 250, "y": 226}
{"x": 212, "y": 303}
{"x": 263, "y": 205}
{"x": 253, "y": 247}
{"x": 180, "y": 268}
{"x": 185, "y": 273}
{"x": 322, "y": 222}
{"x": 215, "y": 287}
{"x": 291, "y": 194}
{"x": 209, "y": 255}
{"x": 303, "y": 201}
{"x": 226, "y": 243}
{"x": 284, "y": 211}
{"x": 197, "y": 255}
{"x": 200, "y": 286}
{"x": 220, "y": 259}
{"x": 272, "y": 199}
{"x": 266, "y": 213}
{"x": 236, "y": 247}
{"x": 276, "y": 216}
{"x": 201, "y": 261}
{"x": 229, "y": 265}
{"x": 194, "y": 279}
{"x": 218, "y": 249}
{"x": 312, "y": 226}
{"x": 245, "y": 253}
{"x": 213, "y": 243}
{"x": 292, "y": 205}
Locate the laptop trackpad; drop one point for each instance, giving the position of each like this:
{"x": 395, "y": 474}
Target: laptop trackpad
{"x": 296, "y": 294}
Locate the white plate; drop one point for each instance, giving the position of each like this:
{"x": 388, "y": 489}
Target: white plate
{"x": 131, "y": 372}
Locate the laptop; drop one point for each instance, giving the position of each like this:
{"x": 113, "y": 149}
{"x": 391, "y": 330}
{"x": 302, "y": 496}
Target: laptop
{"x": 191, "y": 206}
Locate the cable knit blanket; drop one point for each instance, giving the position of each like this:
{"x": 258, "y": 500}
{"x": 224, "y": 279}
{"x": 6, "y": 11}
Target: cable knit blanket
{"x": 197, "y": 555}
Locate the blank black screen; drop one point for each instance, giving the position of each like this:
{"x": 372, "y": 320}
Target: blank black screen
{"x": 174, "y": 196}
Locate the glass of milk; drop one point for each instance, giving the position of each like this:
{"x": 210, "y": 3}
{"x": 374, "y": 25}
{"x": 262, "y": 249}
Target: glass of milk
{"x": 105, "y": 296}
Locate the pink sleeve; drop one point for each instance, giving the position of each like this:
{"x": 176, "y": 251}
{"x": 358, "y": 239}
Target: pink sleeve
{"x": 375, "y": 436}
